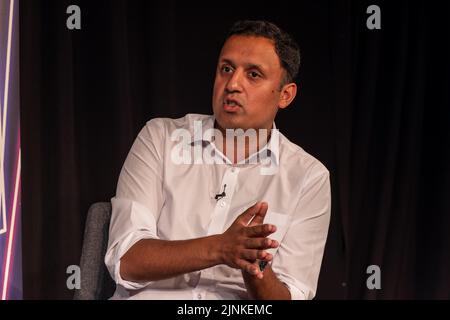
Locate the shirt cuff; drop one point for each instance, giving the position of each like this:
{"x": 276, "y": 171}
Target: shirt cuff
{"x": 298, "y": 290}
{"x": 112, "y": 259}
{"x": 296, "y": 294}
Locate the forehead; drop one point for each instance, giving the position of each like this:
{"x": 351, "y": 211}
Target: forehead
{"x": 241, "y": 49}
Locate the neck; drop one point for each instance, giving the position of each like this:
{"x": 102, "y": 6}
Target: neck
{"x": 239, "y": 147}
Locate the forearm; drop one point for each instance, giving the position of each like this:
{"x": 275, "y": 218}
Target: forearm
{"x": 267, "y": 288}
{"x": 151, "y": 259}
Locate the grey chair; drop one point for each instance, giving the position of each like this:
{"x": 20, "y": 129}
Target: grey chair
{"x": 96, "y": 282}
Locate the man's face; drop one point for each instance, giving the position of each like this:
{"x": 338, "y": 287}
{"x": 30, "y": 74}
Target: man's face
{"x": 247, "y": 85}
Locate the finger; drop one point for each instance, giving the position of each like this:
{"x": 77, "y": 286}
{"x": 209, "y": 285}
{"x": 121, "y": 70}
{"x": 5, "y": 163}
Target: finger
{"x": 248, "y": 214}
{"x": 248, "y": 267}
{"x": 253, "y": 255}
{"x": 262, "y": 230}
{"x": 260, "y": 243}
{"x": 255, "y": 271}
{"x": 259, "y": 217}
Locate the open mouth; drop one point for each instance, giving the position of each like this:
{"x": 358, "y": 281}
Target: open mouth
{"x": 231, "y": 105}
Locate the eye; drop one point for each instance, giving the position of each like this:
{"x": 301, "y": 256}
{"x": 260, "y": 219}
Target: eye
{"x": 226, "y": 69}
{"x": 254, "y": 74}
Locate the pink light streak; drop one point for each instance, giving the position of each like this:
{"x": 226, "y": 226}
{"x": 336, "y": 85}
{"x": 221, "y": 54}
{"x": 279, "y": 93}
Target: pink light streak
{"x": 12, "y": 230}
{"x": 18, "y": 168}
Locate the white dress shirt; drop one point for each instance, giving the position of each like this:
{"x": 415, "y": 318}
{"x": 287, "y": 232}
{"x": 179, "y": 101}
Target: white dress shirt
{"x": 159, "y": 198}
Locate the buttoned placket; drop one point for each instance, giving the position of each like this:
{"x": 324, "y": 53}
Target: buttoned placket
{"x": 198, "y": 294}
{"x": 222, "y": 208}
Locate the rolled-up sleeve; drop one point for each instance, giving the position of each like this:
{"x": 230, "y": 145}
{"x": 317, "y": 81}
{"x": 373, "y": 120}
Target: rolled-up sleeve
{"x": 299, "y": 257}
{"x": 139, "y": 199}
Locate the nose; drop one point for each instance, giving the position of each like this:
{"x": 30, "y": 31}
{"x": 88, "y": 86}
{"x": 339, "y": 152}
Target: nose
{"x": 234, "y": 83}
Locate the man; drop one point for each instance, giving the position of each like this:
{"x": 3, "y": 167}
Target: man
{"x": 228, "y": 218}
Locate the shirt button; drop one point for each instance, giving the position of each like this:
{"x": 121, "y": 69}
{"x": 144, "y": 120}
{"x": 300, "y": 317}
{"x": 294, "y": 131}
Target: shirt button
{"x": 222, "y": 204}
{"x": 199, "y": 296}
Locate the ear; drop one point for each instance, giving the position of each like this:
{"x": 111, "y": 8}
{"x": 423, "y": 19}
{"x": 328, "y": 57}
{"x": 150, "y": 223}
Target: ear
{"x": 287, "y": 94}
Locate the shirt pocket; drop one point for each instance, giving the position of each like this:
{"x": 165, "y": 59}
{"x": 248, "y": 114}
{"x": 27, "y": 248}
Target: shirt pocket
{"x": 280, "y": 220}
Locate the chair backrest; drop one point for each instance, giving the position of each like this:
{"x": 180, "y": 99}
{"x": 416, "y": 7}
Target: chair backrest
{"x": 96, "y": 282}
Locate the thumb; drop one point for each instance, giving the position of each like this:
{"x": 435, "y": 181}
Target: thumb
{"x": 248, "y": 214}
{"x": 260, "y": 215}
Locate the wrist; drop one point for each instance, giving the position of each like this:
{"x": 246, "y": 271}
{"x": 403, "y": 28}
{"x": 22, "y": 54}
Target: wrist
{"x": 215, "y": 249}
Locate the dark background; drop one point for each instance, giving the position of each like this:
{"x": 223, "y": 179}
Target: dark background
{"x": 373, "y": 106}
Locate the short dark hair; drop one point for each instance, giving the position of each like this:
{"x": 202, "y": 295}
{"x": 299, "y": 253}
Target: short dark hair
{"x": 286, "y": 47}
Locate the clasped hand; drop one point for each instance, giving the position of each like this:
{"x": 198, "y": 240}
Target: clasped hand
{"x": 245, "y": 242}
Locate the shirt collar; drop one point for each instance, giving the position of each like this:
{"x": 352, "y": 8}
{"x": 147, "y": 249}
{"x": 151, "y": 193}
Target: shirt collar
{"x": 272, "y": 146}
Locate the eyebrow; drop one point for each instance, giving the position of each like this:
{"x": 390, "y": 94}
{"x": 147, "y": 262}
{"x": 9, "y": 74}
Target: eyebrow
{"x": 247, "y": 65}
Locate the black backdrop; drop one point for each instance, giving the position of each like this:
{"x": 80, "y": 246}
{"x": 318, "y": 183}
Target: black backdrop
{"x": 373, "y": 106}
